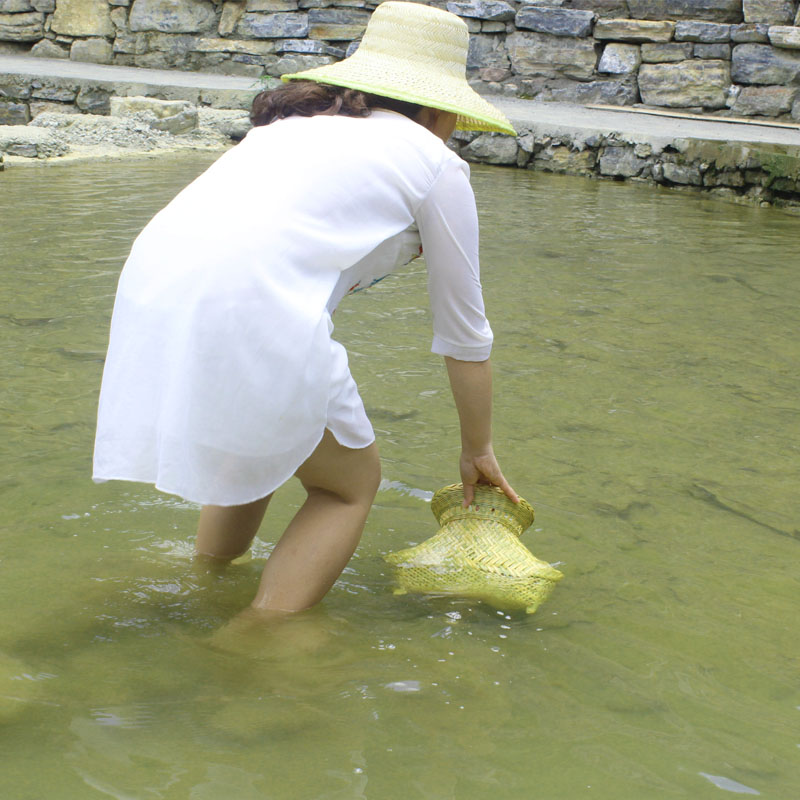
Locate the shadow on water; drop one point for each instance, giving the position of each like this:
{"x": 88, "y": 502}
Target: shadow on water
{"x": 646, "y": 404}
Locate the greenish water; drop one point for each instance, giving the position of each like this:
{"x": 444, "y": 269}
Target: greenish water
{"x": 647, "y": 405}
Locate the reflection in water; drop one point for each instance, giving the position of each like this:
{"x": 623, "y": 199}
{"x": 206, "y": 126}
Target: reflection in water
{"x": 647, "y": 405}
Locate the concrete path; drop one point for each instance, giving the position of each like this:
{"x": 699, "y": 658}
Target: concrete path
{"x": 541, "y": 118}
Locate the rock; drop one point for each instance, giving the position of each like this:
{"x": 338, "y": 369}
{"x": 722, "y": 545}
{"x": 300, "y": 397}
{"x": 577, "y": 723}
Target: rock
{"x": 708, "y": 32}
{"x": 621, "y": 162}
{"x": 689, "y": 83}
{"x": 633, "y": 30}
{"x": 272, "y": 26}
{"x": 231, "y": 13}
{"x": 775, "y": 12}
{"x": 45, "y": 90}
{"x": 486, "y": 51}
{"x": 28, "y": 27}
{"x": 45, "y": 6}
{"x": 493, "y": 10}
{"x": 297, "y": 62}
{"x": 133, "y": 43}
{"x": 15, "y": 6}
{"x": 726, "y": 177}
{"x": 760, "y": 63}
{"x": 14, "y": 113}
{"x": 171, "y": 116}
{"x": 617, "y": 92}
{"x": 656, "y": 53}
{"x": 785, "y": 36}
{"x": 48, "y": 49}
{"x": 714, "y": 10}
{"x": 551, "y": 56}
{"x": 309, "y": 46}
{"x": 602, "y": 8}
{"x": 45, "y": 106}
{"x": 494, "y": 74}
{"x": 557, "y": 21}
{"x": 712, "y": 51}
{"x": 493, "y": 27}
{"x": 272, "y": 5}
{"x": 82, "y": 18}
{"x": 749, "y": 32}
{"x": 796, "y": 109}
{"x": 94, "y": 51}
{"x": 681, "y": 174}
{"x": 337, "y": 23}
{"x": 231, "y": 123}
{"x": 93, "y": 100}
{"x": 169, "y": 16}
{"x": 766, "y": 101}
{"x": 797, "y": 18}
{"x": 30, "y": 142}
{"x": 564, "y": 160}
{"x": 250, "y": 46}
{"x": 491, "y": 148}
{"x": 620, "y": 59}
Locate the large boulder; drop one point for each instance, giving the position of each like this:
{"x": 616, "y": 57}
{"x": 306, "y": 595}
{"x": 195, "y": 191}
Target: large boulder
{"x": 26, "y": 27}
{"x": 690, "y": 83}
{"x": 542, "y": 54}
{"x": 82, "y": 18}
{"x": 713, "y": 10}
{"x": 762, "y": 64}
{"x": 558, "y": 21}
{"x": 169, "y": 16}
{"x": 774, "y": 12}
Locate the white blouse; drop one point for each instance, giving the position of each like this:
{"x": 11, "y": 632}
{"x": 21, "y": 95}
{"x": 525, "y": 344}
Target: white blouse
{"x": 221, "y": 375}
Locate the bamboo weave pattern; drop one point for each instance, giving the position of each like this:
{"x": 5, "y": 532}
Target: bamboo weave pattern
{"x": 477, "y": 553}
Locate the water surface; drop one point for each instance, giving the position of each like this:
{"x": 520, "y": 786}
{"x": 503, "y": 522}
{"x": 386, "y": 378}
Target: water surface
{"x": 646, "y": 369}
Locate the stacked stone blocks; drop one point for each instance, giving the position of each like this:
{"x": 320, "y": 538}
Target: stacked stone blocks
{"x": 739, "y": 57}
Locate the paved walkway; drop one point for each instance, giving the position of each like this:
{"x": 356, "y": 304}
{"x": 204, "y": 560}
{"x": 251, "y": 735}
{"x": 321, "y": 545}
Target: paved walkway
{"x": 551, "y": 118}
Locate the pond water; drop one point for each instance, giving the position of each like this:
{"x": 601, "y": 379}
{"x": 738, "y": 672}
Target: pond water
{"x": 647, "y": 399}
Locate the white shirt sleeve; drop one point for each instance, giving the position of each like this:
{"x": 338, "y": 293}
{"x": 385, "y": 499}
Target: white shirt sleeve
{"x": 448, "y": 226}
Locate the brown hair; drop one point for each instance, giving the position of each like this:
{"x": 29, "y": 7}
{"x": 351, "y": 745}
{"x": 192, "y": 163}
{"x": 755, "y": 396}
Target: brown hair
{"x": 303, "y": 98}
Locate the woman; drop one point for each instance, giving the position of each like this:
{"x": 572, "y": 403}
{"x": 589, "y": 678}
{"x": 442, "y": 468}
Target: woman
{"x": 222, "y": 380}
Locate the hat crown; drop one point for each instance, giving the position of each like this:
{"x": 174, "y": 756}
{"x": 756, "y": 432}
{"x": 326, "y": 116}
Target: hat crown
{"x": 418, "y": 35}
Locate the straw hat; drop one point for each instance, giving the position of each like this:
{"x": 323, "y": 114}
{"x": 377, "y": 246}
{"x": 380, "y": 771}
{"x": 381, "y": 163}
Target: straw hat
{"x": 418, "y": 54}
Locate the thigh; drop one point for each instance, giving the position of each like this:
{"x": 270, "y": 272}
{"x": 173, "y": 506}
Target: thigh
{"x": 352, "y": 474}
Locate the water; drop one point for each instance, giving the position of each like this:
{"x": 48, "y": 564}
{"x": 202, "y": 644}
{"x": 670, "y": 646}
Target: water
{"x": 646, "y": 404}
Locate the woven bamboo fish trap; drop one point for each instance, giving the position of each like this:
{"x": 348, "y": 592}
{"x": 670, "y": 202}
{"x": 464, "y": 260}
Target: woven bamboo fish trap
{"x": 477, "y": 553}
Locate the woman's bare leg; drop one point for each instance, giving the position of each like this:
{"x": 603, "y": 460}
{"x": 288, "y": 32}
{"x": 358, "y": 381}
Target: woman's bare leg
{"x": 341, "y": 484}
{"x": 226, "y": 532}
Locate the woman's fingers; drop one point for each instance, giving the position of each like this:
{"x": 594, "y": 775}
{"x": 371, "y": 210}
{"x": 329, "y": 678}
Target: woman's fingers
{"x": 483, "y": 470}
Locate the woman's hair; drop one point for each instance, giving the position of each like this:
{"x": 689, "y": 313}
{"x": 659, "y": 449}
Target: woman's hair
{"x": 303, "y": 98}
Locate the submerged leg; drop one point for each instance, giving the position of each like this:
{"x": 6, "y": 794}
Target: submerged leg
{"x": 226, "y": 532}
{"x": 341, "y": 484}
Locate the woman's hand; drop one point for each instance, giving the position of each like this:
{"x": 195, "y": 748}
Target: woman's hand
{"x": 482, "y": 468}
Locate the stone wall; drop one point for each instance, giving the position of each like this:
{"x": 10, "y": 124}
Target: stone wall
{"x": 739, "y": 57}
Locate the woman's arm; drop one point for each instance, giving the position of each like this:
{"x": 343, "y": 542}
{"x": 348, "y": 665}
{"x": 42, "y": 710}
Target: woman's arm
{"x": 471, "y": 382}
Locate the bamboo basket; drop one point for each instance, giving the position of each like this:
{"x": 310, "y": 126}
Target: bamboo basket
{"x": 477, "y": 553}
